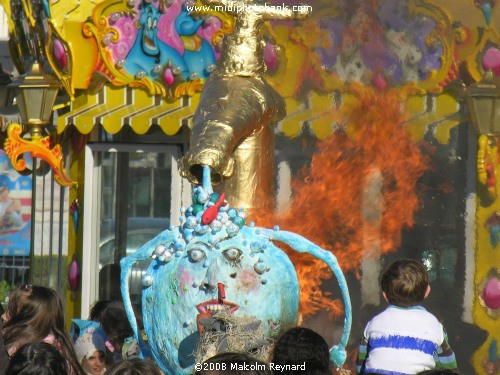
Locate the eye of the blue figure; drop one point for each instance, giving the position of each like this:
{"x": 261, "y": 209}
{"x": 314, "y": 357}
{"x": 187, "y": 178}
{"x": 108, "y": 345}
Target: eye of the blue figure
{"x": 150, "y": 21}
{"x": 232, "y": 254}
{"x": 196, "y": 255}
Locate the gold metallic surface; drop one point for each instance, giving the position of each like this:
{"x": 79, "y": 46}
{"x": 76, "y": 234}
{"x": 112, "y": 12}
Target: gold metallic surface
{"x": 232, "y": 127}
{"x": 230, "y": 110}
{"x": 254, "y": 171}
{"x": 232, "y": 133}
{"x": 242, "y": 51}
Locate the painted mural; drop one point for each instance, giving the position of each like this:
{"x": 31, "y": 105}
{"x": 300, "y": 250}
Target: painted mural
{"x": 166, "y": 50}
{"x": 15, "y": 210}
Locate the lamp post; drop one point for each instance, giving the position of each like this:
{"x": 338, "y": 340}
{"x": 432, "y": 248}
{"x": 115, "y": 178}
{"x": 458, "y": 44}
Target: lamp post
{"x": 36, "y": 93}
{"x": 483, "y": 101}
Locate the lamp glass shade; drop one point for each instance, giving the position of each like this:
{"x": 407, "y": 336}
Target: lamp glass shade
{"x": 485, "y": 114}
{"x": 35, "y": 104}
{"x": 483, "y": 101}
{"x": 36, "y": 94}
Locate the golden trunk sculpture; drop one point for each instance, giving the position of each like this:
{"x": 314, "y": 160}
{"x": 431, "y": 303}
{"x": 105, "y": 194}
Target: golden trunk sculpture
{"x": 233, "y": 125}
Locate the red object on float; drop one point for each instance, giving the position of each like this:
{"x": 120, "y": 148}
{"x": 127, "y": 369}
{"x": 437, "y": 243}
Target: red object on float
{"x": 74, "y": 275}
{"x": 168, "y": 76}
{"x": 222, "y": 292}
{"x": 60, "y": 54}
{"x": 211, "y": 212}
{"x": 491, "y": 293}
{"x": 491, "y": 60}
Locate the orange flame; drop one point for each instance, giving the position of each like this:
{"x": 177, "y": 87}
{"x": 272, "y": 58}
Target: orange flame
{"x": 328, "y": 195}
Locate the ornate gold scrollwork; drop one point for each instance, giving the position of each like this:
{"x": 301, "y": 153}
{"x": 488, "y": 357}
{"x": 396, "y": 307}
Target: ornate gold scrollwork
{"x": 39, "y": 147}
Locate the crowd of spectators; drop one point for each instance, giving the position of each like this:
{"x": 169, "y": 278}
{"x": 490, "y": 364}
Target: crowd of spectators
{"x": 403, "y": 339}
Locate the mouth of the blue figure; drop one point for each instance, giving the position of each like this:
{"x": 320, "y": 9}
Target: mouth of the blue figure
{"x": 212, "y": 308}
{"x": 215, "y": 306}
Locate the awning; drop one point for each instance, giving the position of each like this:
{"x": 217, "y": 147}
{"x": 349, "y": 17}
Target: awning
{"x": 114, "y": 107}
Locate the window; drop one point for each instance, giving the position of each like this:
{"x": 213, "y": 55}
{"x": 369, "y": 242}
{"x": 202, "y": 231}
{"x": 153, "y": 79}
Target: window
{"x": 132, "y": 193}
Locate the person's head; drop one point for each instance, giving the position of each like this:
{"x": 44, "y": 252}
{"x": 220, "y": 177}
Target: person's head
{"x": 115, "y": 323}
{"x": 405, "y": 282}
{"x": 36, "y": 307}
{"x": 35, "y": 314}
{"x": 90, "y": 350}
{"x": 135, "y": 366}
{"x": 438, "y": 371}
{"x": 299, "y": 345}
{"x": 98, "y": 309}
{"x": 37, "y": 359}
{"x": 232, "y": 363}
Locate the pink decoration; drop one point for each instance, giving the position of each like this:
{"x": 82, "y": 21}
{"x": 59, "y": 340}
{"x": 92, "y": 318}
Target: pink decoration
{"x": 270, "y": 57}
{"x": 491, "y": 60}
{"x": 60, "y": 54}
{"x": 491, "y": 293}
{"x": 74, "y": 275}
{"x": 380, "y": 82}
{"x": 168, "y": 75}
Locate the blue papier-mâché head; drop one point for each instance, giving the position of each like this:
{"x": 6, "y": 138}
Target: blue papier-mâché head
{"x": 214, "y": 262}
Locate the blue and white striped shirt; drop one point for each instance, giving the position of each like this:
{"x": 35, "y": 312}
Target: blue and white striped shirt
{"x": 402, "y": 341}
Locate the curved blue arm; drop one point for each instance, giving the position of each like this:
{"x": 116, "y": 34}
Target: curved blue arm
{"x": 298, "y": 243}
{"x": 126, "y": 264}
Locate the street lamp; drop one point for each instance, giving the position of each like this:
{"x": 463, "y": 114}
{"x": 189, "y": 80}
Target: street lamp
{"x": 36, "y": 93}
{"x": 483, "y": 101}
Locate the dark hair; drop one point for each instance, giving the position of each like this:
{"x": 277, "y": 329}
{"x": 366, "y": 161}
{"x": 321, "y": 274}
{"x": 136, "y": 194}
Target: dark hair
{"x": 405, "y": 282}
{"x": 37, "y": 358}
{"x": 98, "y": 309}
{"x": 115, "y": 323}
{"x": 299, "y": 345}
{"x": 234, "y": 364}
{"x": 135, "y": 366}
{"x": 35, "y": 312}
{"x": 438, "y": 371}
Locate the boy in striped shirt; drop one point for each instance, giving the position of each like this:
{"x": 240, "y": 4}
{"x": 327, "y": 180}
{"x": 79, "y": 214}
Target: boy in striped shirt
{"x": 405, "y": 338}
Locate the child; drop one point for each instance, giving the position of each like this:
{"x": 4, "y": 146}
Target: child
{"x": 121, "y": 341}
{"x": 37, "y": 358}
{"x": 300, "y": 345}
{"x": 35, "y": 314}
{"x": 404, "y": 338}
{"x": 90, "y": 346}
